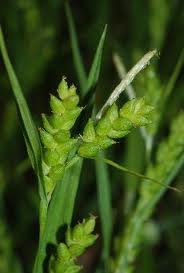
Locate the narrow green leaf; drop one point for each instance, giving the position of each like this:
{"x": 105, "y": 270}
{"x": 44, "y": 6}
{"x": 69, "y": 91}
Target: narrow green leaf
{"x": 96, "y": 65}
{"x": 174, "y": 75}
{"x": 28, "y": 127}
{"x": 60, "y": 211}
{"x": 85, "y": 84}
{"x": 79, "y": 66}
{"x": 121, "y": 168}
{"x": 104, "y": 200}
{"x": 170, "y": 86}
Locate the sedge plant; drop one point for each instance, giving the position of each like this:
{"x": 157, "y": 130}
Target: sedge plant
{"x": 57, "y": 151}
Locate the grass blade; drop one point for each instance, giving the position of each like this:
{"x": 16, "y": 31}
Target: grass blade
{"x": 86, "y": 83}
{"x": 79, "y": 66}
{"x": 122, "y": 168}
{"x": 170, "y": 86}
{"x": 174, "y": 75}
{"x": 96, "y": 65}
{"x": 104, "y": 200}
{"x": 29, "y": 129}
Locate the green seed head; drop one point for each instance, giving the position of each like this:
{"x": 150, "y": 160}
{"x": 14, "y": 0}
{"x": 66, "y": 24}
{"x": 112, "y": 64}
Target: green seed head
{"x": 63, "y": 89}
{"x": 78, "y": 232}
{"x": 45, "y": 168}
{"x": 72, "y": 90}
{"x": 63, "y": 252}
{"x": 67, "y": 120}
{"x": 77, "y": 240}
{"x": 76, "y": 250}
{"x": 73, "y": 269}
{"x": 89, "y": 132}
{"x": 62, "y": 136}
{"x": 89, "y": 240}
{"x": 47, "y": 125}
{"x": 49, "y": 186}
{"x": 47, "y": 139}
{"x": 56, "y": 105}
{"x": 117, "y": 134}
{"x": 112, "y": 113}
{"x": 122, "y": 124}
{"x": 71, "y": 102}
{"x": 51, "y": 158}
{"x": 88, "y": 150}
{"x": 89, "y": 225}
{"x": 66, "y": 147}
{"x": 137, "y": 111}
{"x": 103, "y": 126}
{"x": 56, "y": 172}
{"x": 104, "y": 142}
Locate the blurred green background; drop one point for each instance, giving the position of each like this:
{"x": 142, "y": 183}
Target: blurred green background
{"x": 37, "y": 38}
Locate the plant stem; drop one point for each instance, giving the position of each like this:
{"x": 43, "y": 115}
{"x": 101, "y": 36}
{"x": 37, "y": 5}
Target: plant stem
{"x": 140, "y": 65}
{"x": 120, "y": 167}
{"x": 121, "y": 70}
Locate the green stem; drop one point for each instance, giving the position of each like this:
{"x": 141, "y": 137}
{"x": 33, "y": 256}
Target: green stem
{"x": 121, "y": 168}
{"x": 43, "y": 216}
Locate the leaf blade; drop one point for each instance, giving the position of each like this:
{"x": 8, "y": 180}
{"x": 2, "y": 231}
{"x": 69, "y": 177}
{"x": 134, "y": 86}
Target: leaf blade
{"x": 96, "y": 65}
{"x": 28, "y": 127}
{"x": 78, "y": 63}
{"x": 174, "y": 75}
{"x": 105, "y": 207}
{"x": 131, "y": 172}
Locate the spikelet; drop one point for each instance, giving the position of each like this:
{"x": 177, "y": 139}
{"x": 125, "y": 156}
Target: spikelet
{"x": 56, "y": 137}
{"x": 77, "y": 240}
{"x": 114, "y": 124}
